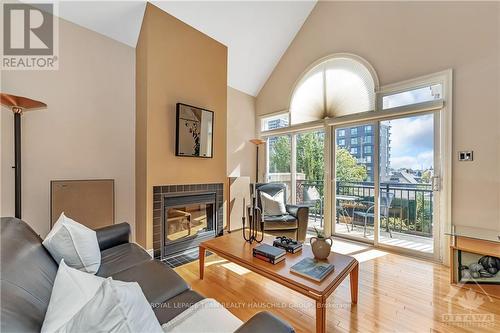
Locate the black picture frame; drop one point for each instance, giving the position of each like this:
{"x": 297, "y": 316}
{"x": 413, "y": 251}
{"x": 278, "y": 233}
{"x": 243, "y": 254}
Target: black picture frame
{"x": 177, "y": 131}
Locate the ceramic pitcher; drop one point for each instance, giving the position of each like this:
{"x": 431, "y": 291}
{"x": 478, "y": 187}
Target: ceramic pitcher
{"x": 320, "y": 247}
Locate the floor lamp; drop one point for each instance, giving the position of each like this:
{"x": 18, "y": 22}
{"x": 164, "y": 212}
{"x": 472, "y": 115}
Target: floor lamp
{"x": 257, "y": 143}
{"x": 18, "y": 105}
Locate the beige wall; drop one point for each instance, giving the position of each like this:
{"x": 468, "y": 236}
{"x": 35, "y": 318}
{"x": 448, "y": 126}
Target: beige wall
{"x": 175, "y": 63}
{"x": 240, "y": 129}
{"x": 403, "y": 40}
{"x": 86, "y": 132}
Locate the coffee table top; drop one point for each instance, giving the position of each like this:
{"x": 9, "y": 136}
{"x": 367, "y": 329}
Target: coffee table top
{"x": 233, "y": 247}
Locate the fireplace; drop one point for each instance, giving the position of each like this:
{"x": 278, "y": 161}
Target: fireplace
{"x": 184, "y": 216}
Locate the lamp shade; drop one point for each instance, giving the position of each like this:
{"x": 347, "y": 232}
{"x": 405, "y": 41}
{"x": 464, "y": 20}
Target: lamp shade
{"x": 257, "y": 141}
{"x": 24, "y": 103}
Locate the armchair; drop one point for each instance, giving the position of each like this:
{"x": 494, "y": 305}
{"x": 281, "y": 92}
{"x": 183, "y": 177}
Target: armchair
{"x": 292, "y": 224}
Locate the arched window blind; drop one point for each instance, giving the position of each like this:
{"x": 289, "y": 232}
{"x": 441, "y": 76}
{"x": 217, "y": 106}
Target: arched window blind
{"x": 336, "y": 87}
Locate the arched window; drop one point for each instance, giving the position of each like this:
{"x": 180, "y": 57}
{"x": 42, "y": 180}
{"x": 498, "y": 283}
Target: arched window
{"x": 337, "y": 86}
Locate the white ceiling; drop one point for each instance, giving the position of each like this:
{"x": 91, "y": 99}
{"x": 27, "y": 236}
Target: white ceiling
{"x": 257, "y": 33}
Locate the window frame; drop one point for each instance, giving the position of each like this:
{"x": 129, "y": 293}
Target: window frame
{"x": 413, "y": 84}
{"x": 263, "y": 118}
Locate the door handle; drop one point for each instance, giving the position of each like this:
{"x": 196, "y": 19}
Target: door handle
{"x": 436, "y": 183}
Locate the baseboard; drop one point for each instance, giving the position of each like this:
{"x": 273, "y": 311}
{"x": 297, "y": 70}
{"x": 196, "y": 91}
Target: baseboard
{"x": 150, "y": 252}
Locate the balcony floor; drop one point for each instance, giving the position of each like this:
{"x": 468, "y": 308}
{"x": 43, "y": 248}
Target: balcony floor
{"x": 406, "y": 241}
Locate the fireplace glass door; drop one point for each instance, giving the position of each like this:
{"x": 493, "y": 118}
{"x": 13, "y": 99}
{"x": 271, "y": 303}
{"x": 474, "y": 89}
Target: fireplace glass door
{"x": 188, "y": 221}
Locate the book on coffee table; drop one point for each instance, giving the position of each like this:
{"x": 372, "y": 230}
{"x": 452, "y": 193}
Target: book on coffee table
{"x": 269, "y": 251}
{"x": 269, "y": 260}
{"x": 313, "y": 269}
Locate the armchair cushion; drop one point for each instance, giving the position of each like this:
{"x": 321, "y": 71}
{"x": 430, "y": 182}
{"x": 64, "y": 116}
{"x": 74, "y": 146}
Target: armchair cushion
{"x": 273, "y": 204}
{"x": 286, "y": 218}
{"x": 282, "y": 222}
{"x": 270, "y": 188}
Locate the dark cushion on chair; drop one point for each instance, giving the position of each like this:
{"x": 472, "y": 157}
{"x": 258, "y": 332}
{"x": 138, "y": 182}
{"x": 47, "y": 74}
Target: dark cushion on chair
{"x": 280, "y": 222}
{"x": 158, "y": 281}
{"x": 280, "y": 218}
{"x": 121, "y": 257}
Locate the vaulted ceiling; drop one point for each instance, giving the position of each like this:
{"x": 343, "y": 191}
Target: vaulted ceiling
{"x": 257, "y": 33}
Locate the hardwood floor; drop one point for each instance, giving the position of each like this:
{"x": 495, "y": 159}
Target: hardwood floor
{"x": 396, "y": 294}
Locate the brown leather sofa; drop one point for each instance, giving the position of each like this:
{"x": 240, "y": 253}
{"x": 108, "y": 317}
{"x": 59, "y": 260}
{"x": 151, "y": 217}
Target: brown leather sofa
{"x": 293, "y": 224}
{"x": 28, "y": 272}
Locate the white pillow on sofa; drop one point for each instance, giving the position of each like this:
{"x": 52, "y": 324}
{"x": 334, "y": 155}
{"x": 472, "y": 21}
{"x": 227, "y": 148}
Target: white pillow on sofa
{"x": 72, "y": 289}
{"x": 273, "y": 205}
{"x": 116, "y": 307}
{"x": 74, "y": 242}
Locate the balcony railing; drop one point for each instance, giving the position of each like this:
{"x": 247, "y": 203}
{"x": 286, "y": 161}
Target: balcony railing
{"x": 409, "y": 212}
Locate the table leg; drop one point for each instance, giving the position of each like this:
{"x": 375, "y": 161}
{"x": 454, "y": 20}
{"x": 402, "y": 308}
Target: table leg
{"x": 321, "y": 316}
{"x": 353, "y": 277}
{"x": 201, "y": 258}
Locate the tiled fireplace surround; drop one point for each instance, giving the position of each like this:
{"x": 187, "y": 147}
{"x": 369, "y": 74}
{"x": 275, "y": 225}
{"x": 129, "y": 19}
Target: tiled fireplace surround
{"x": 162, "y": 191}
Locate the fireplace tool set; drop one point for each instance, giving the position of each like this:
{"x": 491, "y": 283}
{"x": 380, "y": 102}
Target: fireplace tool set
{"x": 252, "y": 231}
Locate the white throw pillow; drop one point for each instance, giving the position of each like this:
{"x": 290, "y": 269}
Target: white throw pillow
{"x": 75, "y": 243}
{"x": 116, "y": 307}
{"x": 71, "y": 291}
{"x": 273, "y": 205}
{"x": 206, "y": 316}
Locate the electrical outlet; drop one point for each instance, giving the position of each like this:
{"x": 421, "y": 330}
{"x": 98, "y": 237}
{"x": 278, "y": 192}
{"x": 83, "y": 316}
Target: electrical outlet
{"x": 465, "y": 156}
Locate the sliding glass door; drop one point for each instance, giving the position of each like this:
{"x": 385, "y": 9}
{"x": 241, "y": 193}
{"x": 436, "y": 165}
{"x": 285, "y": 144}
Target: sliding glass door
{"x": 409, "y": 182}
{"x": 386, "y": 182}
{"x": 354, "y": 181}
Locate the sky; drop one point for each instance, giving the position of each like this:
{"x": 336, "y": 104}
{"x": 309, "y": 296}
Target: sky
{"x": 412, "y": 144}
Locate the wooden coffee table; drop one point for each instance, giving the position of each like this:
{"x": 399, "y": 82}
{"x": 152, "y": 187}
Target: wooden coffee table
{"x": 233, "y": 248}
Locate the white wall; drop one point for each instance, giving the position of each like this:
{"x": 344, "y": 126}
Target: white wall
{"x": 87, "y": 131}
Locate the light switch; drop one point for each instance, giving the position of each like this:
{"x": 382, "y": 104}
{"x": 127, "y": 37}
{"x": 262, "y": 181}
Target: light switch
{"x": 465, "y": 156}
